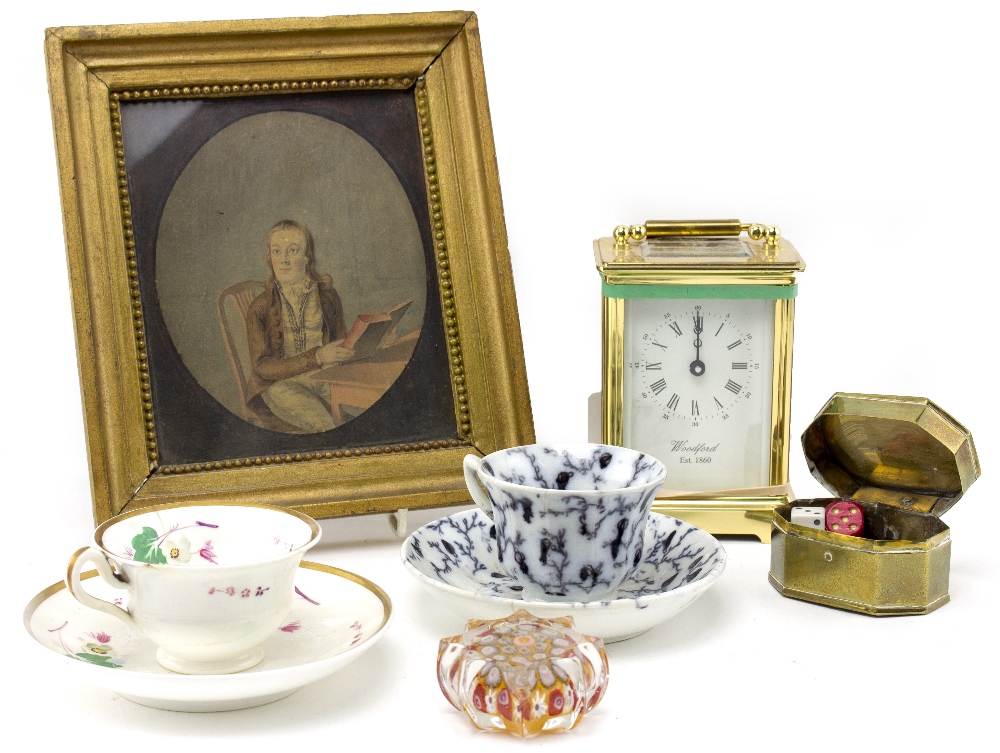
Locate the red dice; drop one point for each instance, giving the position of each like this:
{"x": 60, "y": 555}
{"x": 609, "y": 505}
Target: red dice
{"x": 845, "y": 516}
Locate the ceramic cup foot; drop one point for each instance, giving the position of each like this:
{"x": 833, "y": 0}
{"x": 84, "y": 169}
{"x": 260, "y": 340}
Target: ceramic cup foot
{"x": 227, "y": 666}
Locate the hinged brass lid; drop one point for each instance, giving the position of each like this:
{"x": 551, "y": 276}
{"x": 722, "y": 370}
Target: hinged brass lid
{"x": 902, "y": 451}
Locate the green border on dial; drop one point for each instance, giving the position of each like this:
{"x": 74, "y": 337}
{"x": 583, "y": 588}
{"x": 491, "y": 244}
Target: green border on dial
{"x": 728, "y": 292}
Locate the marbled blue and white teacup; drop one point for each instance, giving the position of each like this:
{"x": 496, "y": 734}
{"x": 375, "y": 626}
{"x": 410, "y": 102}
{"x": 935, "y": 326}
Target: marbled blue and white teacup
{"x": 569, "y": 518}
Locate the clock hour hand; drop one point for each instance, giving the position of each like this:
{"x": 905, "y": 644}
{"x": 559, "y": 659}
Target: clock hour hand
{"x": 697, "y": 365}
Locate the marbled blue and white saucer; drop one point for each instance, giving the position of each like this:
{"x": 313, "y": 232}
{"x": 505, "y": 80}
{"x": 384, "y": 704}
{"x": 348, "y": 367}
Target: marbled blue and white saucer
{"x": 454, "y": 559}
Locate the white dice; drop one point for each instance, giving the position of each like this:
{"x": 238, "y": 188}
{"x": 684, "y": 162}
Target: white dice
{"x": 811, "y": 517}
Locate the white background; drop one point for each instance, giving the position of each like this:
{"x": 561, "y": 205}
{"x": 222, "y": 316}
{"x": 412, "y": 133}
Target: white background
{"x": 867, "y": 131}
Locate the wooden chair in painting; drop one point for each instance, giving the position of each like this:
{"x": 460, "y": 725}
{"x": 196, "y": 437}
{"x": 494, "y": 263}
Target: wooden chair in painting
{"x": 232, "y": 304}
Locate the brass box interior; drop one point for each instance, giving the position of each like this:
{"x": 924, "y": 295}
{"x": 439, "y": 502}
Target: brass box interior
{"x": 901, "y": 567}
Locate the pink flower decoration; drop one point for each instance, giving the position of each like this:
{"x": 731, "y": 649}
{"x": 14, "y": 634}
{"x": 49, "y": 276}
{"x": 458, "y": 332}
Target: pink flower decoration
{"x": 208, "y": 553}
{"x": 291, "y": 627}
{"x": 311, "y": 601}
{"x": 101, "y": 637}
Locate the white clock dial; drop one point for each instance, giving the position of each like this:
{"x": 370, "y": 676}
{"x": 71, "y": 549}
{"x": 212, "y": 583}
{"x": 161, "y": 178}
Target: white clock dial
{"x": 697, "y": 389}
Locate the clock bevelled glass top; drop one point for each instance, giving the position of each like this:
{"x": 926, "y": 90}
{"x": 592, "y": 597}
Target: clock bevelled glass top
{"x": 697, "y": 358}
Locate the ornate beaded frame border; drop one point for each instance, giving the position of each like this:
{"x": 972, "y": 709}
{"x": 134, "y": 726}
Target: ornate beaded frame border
{"x": 475, "y": 284}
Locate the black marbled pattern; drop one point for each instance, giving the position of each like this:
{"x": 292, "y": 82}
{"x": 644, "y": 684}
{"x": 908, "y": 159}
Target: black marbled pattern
{"x": 459, "y": 551}
{"x": 598, "y": 468}
{"x": 570, "y": 519}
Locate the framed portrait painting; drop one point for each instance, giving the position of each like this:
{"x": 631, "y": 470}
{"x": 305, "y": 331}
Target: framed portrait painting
{"x": 287, "y": 259}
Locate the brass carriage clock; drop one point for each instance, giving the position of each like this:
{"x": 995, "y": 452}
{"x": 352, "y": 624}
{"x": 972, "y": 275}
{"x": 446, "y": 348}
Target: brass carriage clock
{"x": 697, "y": 359}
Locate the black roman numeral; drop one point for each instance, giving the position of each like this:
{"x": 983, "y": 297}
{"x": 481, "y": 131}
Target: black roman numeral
{"x": 733, "y": 387}
{"x": 672, "y": 403}
{"x": 719, "y": 329}
{"x": 676, "y": 328}
{"x": 717, "y": 401}
{"x": 739, "y": 365}
{"x": 733, "y": 345}
{"x": 661, "y": 347}
{"x": 694, "y": 408}
{"x": 658, "y": 386}
{"x": 656, "y": 366}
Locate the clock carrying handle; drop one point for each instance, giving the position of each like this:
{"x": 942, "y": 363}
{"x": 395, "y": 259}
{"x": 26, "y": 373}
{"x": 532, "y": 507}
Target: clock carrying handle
{"x": 687, "y": 228}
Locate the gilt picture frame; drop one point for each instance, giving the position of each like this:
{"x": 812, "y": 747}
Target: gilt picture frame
{"x": 288, "y": 261}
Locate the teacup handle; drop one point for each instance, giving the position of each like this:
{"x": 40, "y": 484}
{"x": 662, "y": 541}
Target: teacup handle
{"x": 471, "y": 467}
{"x": 80, "y": 558}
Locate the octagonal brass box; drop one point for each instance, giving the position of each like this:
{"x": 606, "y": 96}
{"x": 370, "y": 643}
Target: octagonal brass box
{"x": 905, "y": 462}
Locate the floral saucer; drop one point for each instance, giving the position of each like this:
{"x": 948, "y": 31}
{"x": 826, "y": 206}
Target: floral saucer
{"x": 336, "y": 616}
{"x": 454, "y": 559}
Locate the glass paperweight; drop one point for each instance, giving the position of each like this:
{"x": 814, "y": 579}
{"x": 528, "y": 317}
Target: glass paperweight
{"x": 523, "y": 674}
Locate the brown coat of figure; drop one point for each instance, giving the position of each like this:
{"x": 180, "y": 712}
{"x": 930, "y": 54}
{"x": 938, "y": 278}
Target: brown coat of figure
{"x": 294, "y": 328}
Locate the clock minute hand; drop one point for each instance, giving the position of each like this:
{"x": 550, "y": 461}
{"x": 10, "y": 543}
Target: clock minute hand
{"x": 697, "y": 365}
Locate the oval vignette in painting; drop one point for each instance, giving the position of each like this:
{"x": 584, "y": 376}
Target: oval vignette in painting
{"x": 288, "y": 242}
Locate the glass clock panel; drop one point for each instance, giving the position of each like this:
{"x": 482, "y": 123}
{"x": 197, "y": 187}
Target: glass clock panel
{"x": 697, "y": 389}
{"x": 679, "y": 248}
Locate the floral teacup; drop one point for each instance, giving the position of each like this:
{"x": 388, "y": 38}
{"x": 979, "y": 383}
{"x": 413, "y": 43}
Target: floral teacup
{"x": 570, "y": 519}
{"x": 206, "y": 583}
